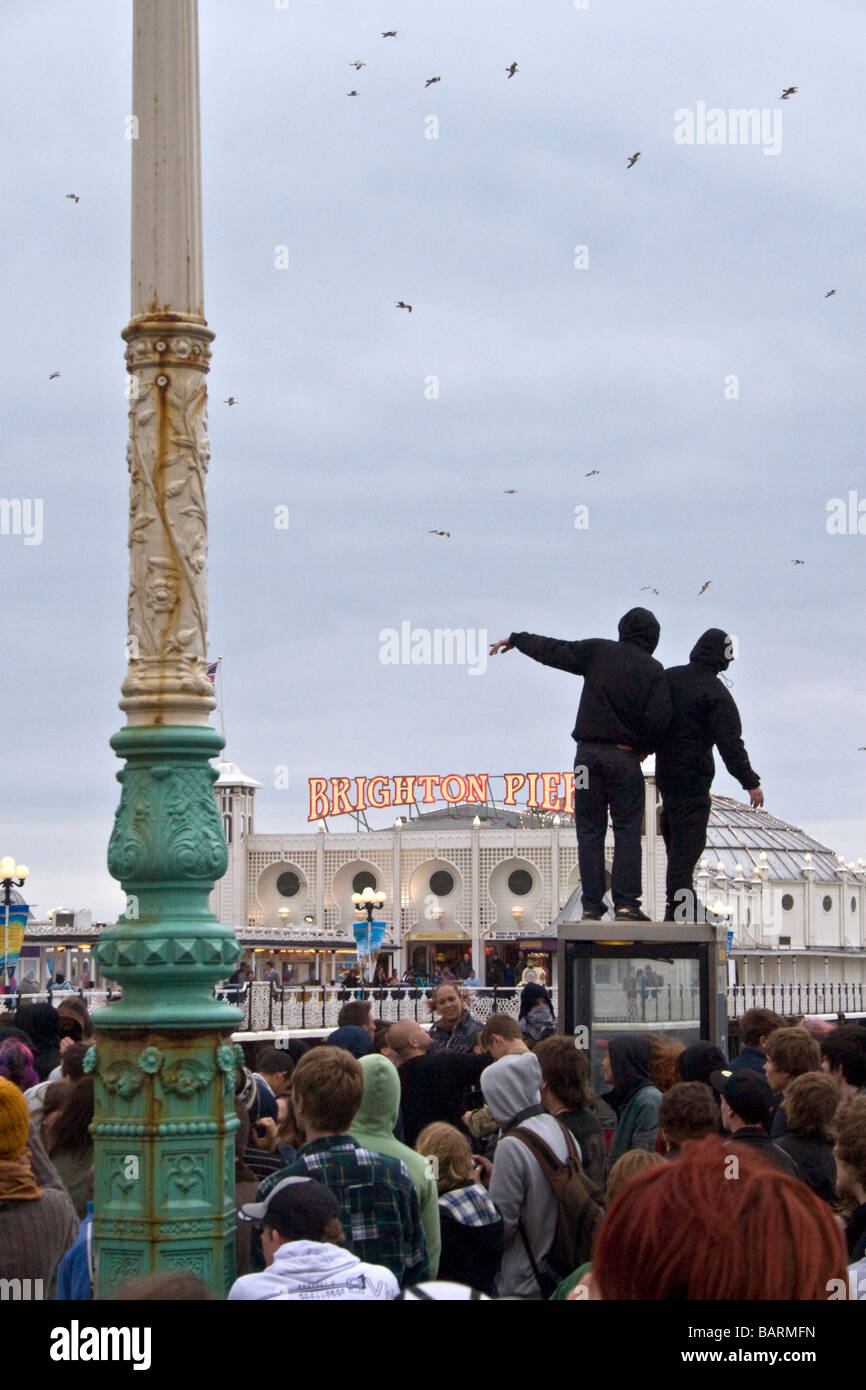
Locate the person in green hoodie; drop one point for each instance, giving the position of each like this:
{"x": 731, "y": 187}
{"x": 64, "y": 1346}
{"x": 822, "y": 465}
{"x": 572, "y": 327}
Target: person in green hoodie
{"x": 373, "y": 1128}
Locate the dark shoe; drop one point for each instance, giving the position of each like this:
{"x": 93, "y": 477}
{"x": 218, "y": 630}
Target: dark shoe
{"x": 593, "y": 916}
{"x": 631, "y": 914}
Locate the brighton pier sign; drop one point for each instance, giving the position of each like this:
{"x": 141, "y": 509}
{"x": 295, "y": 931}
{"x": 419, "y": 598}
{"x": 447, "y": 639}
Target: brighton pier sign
{"x": 540, "y": 791}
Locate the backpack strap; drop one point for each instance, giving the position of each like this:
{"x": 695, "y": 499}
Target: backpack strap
{"x": 550, "y": 1164}
{"x": 528, "y": 1248}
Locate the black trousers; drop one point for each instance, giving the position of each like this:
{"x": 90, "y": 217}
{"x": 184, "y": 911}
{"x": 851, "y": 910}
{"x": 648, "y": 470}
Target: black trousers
{"x": 614, "y": 781}
{"x": 684, "y": 818}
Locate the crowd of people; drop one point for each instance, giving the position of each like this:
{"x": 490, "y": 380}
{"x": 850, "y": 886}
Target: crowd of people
{"x": 468, "y": 1160}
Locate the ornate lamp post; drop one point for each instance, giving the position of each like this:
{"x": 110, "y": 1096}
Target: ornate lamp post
{"x": 12, "y": 875}
{"x": 367, "y": 902}
{"x": 163, "y": 1062}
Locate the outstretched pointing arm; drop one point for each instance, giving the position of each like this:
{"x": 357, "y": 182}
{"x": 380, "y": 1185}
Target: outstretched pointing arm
{"x": 550, "y": 651}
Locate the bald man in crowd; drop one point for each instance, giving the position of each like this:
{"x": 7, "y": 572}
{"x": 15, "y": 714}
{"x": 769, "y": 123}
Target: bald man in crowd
{"x": 433, "y": 1085}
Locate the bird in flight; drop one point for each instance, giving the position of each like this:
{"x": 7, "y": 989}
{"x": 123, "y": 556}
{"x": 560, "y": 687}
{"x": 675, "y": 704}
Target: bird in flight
{"x": 232, "y": 400}
{"x": 633, "y": 160}
{"x": 509, "y": 490}
{"x": 357, "y": 65}
{"x": 511, "y": 70}
{"x": 829, "y": 293}
{"x": 53, "y": 375}
{"x": 788, "y": 92}
{"x": 592, "y": 472}
{"x": 389, "y": 33}
{"x": 351, "y": 94}
{"x": 862, "y": 750}
{"x": 74, "y": 196}
{"x": 644, "y": 587}
{"x": 704, "y": 586}
{"x": 401, "y": 305}
{"x": 431, "y": 80}
{"x": 798, "y": 562}
{"x": 438, "y": 533}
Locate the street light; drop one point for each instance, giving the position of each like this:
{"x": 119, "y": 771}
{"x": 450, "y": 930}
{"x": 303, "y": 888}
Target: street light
{"x": 284, "y": 913}
{"x": 367, "y": 902}
{"x": 11, "y": 874}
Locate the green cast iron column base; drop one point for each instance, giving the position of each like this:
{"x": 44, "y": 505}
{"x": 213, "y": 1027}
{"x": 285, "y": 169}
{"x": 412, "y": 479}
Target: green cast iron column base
{"x": 163, "y": 1064}
{"x": 164, "y": 1156}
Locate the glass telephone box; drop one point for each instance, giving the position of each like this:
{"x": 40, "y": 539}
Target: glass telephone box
{"x": 667, "y": 980}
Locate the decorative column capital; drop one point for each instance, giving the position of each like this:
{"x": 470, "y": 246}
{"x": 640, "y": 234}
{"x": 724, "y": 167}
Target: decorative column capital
{"x": 168, "y": 455}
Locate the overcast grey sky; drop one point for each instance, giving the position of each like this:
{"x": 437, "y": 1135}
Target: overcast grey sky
{"x": 706, "y": 262}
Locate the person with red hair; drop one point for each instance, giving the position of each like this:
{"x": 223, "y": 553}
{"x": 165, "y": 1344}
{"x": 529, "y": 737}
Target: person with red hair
{"x": 702, "y": 1229}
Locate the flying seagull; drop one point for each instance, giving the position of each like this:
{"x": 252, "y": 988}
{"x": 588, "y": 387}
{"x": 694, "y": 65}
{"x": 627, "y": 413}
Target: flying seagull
{"x": 704, "y": 586}
{"x": 788, "y": 92}
{"x": 438, "y": 533}
{"x": 829, "y": 293}
{"x": 232, "y": 400}
{"x": 53, "y": 375}
{"x": 401, "y": 305}
{"x": 389, "y": 33}
{"x": 633, "y": 160}
{"x": 592, "y": 472}
{"x": 357, "y": 65}
{"x": 74, "y": 196}
{"x": 351, "y": 94}
{"x": 644, "y": 587}
{"x": 431, "y": 80}
{"x": 798, "y": 562}
{"x": 509, "y": 490}
{"x": 512, "y": 70}
{"x": 862, "y": 750}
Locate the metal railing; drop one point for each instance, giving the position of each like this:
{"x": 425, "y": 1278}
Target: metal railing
{"x": 270, "y": 1008}
{"x": 796, "y": 999}
{"x": 662, "y": 1004}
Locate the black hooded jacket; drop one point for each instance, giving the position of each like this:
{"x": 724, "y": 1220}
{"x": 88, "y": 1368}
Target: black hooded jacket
{"x": 704, "y": 714}
{"x": 625, "y": 697}
{"x": 41, "y": 1023}
{"x": 630, "y": 1057}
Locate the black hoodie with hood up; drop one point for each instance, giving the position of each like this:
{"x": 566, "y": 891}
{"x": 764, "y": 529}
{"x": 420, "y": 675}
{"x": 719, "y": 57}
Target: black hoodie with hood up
{"x": 625, "y": 697}
{"x": 704, "y": 714}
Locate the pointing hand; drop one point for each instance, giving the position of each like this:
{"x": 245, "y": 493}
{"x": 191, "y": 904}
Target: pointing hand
{"x": 503, "y": 646}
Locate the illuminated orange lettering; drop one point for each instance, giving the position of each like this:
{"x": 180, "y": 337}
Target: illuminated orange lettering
{"x": 531, "y": 799}
{"x": 550, "y": 785}
{"x": 568, "y": 795}
{"x": 373, "y": 792}
{"x": 513, "y": 782}
{"x": 361, "y": 784}
{"x": 340, "y": 795}
{"x": 427, "y": 784}
{"x": 476, "y": 787}
{"x": 318, "y": 786}
{"x": 404, "y": 788}
{"x": 461, "y": 782}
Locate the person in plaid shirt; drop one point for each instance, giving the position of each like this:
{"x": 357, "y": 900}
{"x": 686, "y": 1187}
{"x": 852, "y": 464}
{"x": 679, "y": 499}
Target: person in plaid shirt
{"x": 378, "y": 1202}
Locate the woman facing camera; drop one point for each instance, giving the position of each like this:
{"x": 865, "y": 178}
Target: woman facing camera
{"x": 455, "y": 1027}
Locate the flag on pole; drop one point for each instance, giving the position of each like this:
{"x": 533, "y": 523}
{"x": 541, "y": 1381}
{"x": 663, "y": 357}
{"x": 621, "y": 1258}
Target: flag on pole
{"x": 12, "y": 937}
{"x": 212, "y": 670}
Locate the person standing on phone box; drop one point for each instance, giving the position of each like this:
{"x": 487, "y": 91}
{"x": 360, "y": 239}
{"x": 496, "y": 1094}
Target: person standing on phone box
{"x": 624, "y": 709}
{"x": 704, "y": 715}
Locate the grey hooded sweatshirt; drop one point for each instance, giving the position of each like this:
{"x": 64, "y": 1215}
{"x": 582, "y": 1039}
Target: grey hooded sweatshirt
{"x": 518, "y": 1186}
